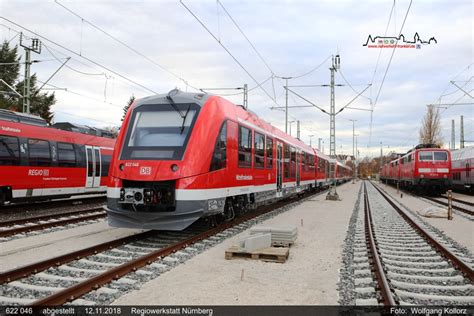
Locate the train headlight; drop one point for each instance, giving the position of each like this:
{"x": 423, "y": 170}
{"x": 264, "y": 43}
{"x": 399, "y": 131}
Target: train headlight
{"x": 174, "y": 167}
{"x": 122, "y": 194}
{"x": 121, "y": 167}
{"x": 422, "y": 175}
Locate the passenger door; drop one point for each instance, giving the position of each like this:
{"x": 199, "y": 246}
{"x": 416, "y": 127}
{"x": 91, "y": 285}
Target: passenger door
{"x": 93, "y": 166}
{"x": 279, "y": 166}
{"x": 298, "y": 177}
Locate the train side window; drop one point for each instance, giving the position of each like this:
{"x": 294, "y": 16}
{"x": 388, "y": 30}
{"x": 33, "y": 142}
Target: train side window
{"x": 287, "y": 161}
{"x": 293, "y": 162}
{"x": 105, "y": 165}
{"x": 269, "y": 149}
{"x": 9, "y": 151}
{"x": 39, "y": 152}
{"x": 219, "y": 157}
{"x": 245, "y": 147}
{"x": 66, "y": 155}
{"x": 259, "y": 145}
{"x": 97, "y": 163}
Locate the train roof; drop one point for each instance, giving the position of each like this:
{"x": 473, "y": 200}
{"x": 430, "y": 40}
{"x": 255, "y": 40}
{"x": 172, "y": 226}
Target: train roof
{"x": 463, "y": 153}
{"x": 239, "y": 113}
{"x": 84, "y": 129}
{"x": 34, "y": 120}
{"x": 177, "y": 96}
{"x": 18, "y": 117}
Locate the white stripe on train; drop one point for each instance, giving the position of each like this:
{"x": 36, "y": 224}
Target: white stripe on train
{"x": 206, "y": 194}
{"x": 56, "y": 191}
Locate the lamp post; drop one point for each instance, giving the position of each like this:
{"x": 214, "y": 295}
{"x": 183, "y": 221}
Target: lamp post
{"x": 310, "y": 140}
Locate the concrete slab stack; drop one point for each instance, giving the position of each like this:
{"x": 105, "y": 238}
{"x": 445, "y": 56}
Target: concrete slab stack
{"x": 254, "y": 242}
{"x": 280, "y": 235}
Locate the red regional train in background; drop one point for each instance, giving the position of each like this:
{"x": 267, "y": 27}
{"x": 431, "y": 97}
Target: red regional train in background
{"x": 183, "y": 156}
{"x": 425, "y": 167}
{"x": 462, "y": 168}
{"x": 38, "y": 162}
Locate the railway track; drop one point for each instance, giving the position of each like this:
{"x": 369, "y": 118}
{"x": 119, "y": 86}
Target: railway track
{"x": 98, "y": 274}
{"x": 25, "y": 225}
{"x": 411, "y": 265}
{"x": 33, "y": 206}
{"x": 458, "y": 205}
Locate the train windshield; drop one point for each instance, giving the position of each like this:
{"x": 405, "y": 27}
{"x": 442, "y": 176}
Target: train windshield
{"x": 159, "y": 132}
{"x": 433, "y": 155}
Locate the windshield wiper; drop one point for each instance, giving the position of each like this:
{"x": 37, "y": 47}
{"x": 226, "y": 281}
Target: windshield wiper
{"x": 175, "y": 107}
{"x": 170, "y": 100}
{"x": 184, "y": 118}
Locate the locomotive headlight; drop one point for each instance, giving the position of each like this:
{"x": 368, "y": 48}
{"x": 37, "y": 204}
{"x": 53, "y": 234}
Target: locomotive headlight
{"x": 174, "y": 167}
{"x": 422, "y": 175}
{"x": 121, "y": 167}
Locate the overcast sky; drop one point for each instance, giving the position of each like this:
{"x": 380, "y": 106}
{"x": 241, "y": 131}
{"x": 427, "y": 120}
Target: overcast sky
{"x": 293, "y": 37}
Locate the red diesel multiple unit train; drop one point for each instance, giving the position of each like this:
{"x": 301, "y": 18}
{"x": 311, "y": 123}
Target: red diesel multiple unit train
{"x": 183, "y": 156}
{"x": 424, "y": 167}
{"x": 38, "y": 162}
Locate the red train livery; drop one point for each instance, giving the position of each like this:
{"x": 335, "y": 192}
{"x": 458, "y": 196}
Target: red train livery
{"x": 38, "y": 162}
{"x": 424, "y": 167}
{"x": 183, "y": 156}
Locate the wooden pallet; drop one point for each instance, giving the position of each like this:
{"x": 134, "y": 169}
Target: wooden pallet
{"x": 271, "y": 254}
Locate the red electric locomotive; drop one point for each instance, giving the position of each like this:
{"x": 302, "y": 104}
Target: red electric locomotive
{"x": 182, "y": 156}
{"x": 38, "y": 162}
{"x": 426, "y": 167}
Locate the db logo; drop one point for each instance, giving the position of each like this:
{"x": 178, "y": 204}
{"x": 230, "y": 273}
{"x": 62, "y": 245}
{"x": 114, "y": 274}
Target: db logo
{"x": 145, "y": 170}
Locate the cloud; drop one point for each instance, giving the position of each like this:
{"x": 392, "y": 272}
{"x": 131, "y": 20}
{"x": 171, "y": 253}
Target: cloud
{"x": 292, "y": 37}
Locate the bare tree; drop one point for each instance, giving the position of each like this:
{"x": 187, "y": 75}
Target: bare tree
{"x": 430, "y": 131}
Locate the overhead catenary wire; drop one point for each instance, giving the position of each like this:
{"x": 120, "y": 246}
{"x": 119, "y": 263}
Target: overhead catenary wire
{"x": 263, "y": 59}
{"x": 81, "y": 56}
{"x": 391, "y": 56}
{"x": 311, "y": 70}
{"x": 71, "y": 68}
{"x": 87, "y": 117}
{"x": 380, "y": 50}
{"x": 227, "y": 50}
{"x": 134, "y": 50}
{"x": 386, "y": 70}
{"x": 67, "y": 90}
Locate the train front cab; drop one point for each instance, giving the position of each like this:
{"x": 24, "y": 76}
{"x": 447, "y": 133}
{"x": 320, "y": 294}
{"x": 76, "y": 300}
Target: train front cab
{"x": 432, "y": 169}
{"x": 148, "y": 163}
